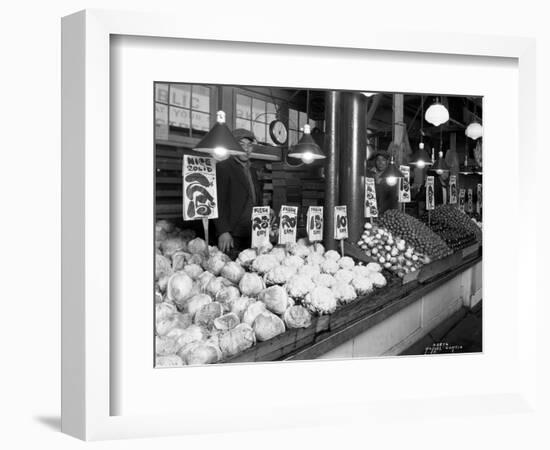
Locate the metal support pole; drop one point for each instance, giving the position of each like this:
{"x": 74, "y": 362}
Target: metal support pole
{"x": 332, "y": 163}
{"x": 352, "y": 161}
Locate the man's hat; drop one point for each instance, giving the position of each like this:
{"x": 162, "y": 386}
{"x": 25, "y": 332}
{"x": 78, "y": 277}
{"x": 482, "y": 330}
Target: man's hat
{"x": 241, "y": 133}
{"x": 378, "y": 153}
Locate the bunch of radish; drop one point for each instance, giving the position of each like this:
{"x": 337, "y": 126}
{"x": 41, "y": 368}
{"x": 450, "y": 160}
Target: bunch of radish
{"x": 390, "y": 251}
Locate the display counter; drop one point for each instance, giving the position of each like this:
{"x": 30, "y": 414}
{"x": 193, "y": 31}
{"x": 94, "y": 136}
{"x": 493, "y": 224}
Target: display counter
{"x": 385, "y": 322}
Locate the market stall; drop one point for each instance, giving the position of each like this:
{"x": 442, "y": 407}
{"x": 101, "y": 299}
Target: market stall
{"x": 336, "y": 274}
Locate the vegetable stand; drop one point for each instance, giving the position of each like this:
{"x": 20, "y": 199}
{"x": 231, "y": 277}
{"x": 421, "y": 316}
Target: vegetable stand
{"x": 330, "y": 336}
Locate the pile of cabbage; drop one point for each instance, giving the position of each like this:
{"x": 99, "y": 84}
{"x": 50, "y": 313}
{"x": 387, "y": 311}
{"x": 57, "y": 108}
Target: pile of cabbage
{"x": 209, "y": 308}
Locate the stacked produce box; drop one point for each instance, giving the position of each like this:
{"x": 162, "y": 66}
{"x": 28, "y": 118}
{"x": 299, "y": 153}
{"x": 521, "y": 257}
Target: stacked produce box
{"x": 209, "y": 308}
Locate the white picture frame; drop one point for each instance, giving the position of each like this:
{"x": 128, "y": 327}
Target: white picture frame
{"x": 87, "y": 314}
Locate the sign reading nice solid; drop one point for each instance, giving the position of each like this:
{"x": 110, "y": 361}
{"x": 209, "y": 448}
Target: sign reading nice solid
{"x": 200, "y": 196}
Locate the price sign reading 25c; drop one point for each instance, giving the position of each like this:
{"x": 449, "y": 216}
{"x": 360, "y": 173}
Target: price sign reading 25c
{"x": 340, "y": 222}
{"x": 260, "y": 226}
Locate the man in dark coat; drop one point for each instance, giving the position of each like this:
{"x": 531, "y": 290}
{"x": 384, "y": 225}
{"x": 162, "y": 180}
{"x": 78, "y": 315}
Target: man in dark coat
{"x": 387, "y": 197}
{"x": 238, "y": 192}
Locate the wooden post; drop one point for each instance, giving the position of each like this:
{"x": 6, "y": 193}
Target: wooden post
{"x": 205, "y": 226}
{"x": 398, "y": 126}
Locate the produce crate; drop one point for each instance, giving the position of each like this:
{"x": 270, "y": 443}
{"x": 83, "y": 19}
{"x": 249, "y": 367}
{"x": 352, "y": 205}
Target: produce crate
{"x": 439, "y": 267}
{"x": 410, "y": 277}
{"x": 471, "y": 251}
{"x": 356, "y": 253}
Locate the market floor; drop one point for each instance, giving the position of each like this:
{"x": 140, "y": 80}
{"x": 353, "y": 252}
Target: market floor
{"x": 461, "y": 333}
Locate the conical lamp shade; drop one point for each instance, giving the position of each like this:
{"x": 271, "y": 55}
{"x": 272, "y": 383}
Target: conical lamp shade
{"x": 440, "y": 165}
{"x": 420, "y": 158}
{"x": 306, "y": 149}
{"x": 466, "y": 169}
{"x": 219, "y": 141}
{"x": 392, "y": 174}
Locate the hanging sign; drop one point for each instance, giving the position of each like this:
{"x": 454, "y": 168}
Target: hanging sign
{"x": 200, "y": 196}
{"x": 315, "y": 223}
{"x": 288, "y": 224}
{"x": 404, "y": 185}
{"x": 260, "y": 226}
{"x": 453, "y": 198}
{"x": 430, "y": 194}
{"x": 461, "y": 199}
{"x": 371, "y": 208}
{"x": 470, "y": 200}
{"x": 340, "y": 222}
{"x": 479, "y": 203}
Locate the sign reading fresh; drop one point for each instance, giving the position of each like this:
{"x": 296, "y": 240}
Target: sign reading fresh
{"x": 315, "y": 223}
{"x": 288, "y": 224}
{"x": 260, "y": 226}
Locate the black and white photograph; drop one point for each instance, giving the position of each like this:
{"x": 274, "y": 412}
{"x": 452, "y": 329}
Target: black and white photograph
{"x": 300, "y": 224}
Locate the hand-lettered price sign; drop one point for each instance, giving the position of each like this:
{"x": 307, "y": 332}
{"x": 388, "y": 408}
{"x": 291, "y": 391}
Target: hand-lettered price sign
{"x": 315, "y": 223}
{"x": 479, "y": 203}
{"x": 371, "y": 208}
{"x": 287, "y": 224}
{"x": 404, "y": 185}
{"x": 430, "y": 193}
{"x": 461, "y": 199}
{"x": 199, "y": 188}
{"x": 260, "y": 226}
{"x": 340, "y": 222}
{"x": 470, "y": 200}
{"x": 453, "y": 197}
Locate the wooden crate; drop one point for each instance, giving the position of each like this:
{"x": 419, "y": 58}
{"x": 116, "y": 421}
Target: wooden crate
{"x": 470, "y": 252}
{"x": 436, "y": 268}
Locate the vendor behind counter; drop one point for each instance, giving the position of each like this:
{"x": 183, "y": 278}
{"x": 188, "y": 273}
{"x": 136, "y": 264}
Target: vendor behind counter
{"x": 387, "y": 197}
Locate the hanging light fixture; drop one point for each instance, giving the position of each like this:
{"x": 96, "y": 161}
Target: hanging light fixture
{"x": 437, "y": 114}
{"x": 420, "y": 157}
{"x": 475, "y": 129}
{"x": 392, "y": 174}
{"x": 219, "y": 141}
{"x": 440, "y": 165}
{"x": 307, "y": 149}
{"x": 465, "y": 169}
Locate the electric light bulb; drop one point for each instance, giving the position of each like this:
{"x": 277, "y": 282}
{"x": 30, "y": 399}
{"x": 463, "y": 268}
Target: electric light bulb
{"x": 307, "y": 157}
{"x": 220, "y": 153}
{"x": 421, "y": 146}
{"x": 420, "y": 164}
{"x": 392, "y": 181}
{"x": 439, "y": 171}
